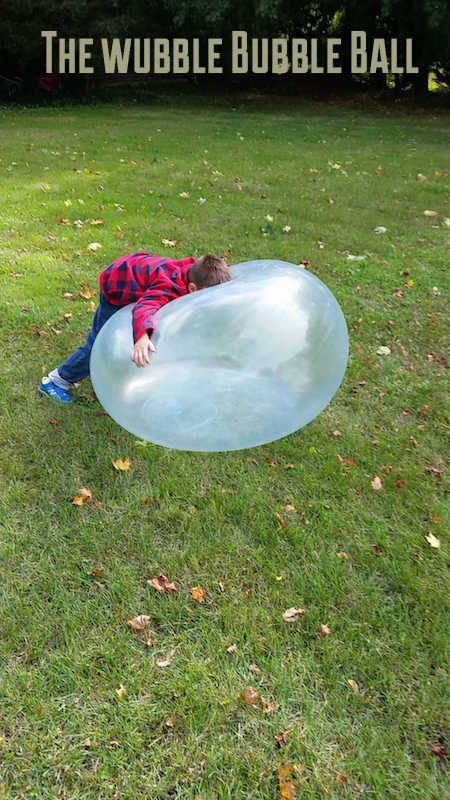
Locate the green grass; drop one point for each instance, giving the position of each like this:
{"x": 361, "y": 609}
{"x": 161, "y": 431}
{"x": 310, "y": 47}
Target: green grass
{"x": 212, "y": 519}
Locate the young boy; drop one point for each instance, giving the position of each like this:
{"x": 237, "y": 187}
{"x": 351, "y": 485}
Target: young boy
{"x": 148, "y": 280}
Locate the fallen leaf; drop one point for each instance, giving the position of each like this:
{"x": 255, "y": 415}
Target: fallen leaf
{"x": 324, "y": 629}
{"x": 161, "y": 583}
{"x": 168, "y": 722}
{"x": 169, "y": 242}
{"x": 184, "y": 195}
{"x": 376, "y": 484}
{"x": 282, "y": 736}
{"x": 287, "y": 788}
{"x": 353, "y": 685}
{"x": 85, "y": 496}
{"x": 139, "y": 623}
{"x": 293, "y": 614}
{"x": 96, "y": 222}
{"x": 96, "y": 571}
{"x": 120, "y": 464}
{"x": 429, "y": 213}
{"x": 255, "y": 669}
{"x": 232, "y": 648}
{"x": 68, "y": 202}
{"x": 340, "y": 778}
{"x": 346, "y": 462}
{"x": 121, "y": 692}
{"x": 439, "y": 750}
{"x": 198, "y": 594}
{"x": 400, "y": 484}
{"x": 164, "y": 661}
{"x": 335, "y": 433}
{"x": 151, "y": 641}
{"x": 268, "y": 705}
{"x": 384, "y": 351}
{"x": 249, "y": 696}
{"x": 93, "y": 246}
{"x": 290, "y": 508}
{"x": 87, "y": 293}
{"x": 421, "y": 177}
{"x": 288, "y": 466}
{"x": 433, "y": 541}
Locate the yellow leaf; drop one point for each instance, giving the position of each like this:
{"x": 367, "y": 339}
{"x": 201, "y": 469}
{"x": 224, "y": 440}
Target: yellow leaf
{"x": 433, "y": 541}
{"x": 198, "y": 593}
{"x": 85, "y": 496}
{"x": 121, "y": 692}
{"x": 287, "y": 788}
{"x": 410, "y": 283}
{"x": 68, "y": 202}
{"x": 120, "y": 464}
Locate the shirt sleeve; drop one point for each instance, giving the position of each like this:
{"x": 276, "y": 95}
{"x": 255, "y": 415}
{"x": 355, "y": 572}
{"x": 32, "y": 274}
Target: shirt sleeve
{"x": 145, "y": 309}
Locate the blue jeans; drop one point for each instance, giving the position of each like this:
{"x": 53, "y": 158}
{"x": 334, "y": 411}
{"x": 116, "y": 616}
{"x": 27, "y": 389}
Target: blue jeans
{"x": 76, "y": 367}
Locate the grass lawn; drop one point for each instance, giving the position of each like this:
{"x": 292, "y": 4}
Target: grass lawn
{"x": 359, "y": 711}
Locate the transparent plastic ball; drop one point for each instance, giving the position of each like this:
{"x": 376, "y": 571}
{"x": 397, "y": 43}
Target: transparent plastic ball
{"x": 236, "y": 365}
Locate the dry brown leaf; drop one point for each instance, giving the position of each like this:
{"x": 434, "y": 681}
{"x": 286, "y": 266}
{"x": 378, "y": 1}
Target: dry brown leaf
{"x": 268, "y": 705}
{"x": 341, "y": 778}
{"x": 139, "y": 623}
{"x": 283, "y": 522}
{"x": 198, "y": 594}
{"x": 288, "y": 790}
{"x": 293, "y": 614}
{"x": 376, "y": 484}
{"x": 96, "y": 571}
{"x": 249, "y": 696}
{"x": 121, "y": 464}
{"x": 324, "y": 629}
{"x": 87, "y": 294}
{"x": 290, "y": 509}
{"x": 282, "y": 736}
{"x": 440, "y": 751}
{"x": 346, "y": 462}
{"x": 353, "y": 685}
{"x": 151, "y": 640}
{"x": 161, "y": 583}
{"x": 85, "y": 496}
{"x": 168, "y": 722}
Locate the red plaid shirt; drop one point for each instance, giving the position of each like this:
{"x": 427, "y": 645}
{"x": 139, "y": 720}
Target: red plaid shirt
{"x": 149, "y": 281}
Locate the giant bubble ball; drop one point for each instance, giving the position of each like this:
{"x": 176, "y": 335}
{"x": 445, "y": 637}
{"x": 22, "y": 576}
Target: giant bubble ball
{"x": 236, "y": 365}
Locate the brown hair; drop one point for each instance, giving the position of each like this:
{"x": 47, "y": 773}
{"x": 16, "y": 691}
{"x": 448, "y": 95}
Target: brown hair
{"x": 208, "y": 271}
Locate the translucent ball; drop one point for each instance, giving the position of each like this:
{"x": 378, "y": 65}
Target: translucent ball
{"x": 236, "y": 365}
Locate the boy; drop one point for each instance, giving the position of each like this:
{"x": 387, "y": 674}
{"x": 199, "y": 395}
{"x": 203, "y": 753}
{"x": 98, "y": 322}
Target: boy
{"x": 148, "y": 280}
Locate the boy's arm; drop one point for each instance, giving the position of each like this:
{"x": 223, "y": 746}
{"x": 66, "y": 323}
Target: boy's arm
{"x": 143, "y": 323}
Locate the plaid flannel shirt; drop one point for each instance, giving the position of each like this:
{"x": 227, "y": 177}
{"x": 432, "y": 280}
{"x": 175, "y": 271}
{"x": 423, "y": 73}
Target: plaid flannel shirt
{"x": 148, "y": 280}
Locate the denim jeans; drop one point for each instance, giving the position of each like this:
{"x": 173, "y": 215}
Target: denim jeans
{"x": 76, "y": 366}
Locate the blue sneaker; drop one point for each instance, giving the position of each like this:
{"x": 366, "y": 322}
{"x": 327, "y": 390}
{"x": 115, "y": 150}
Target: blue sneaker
{"x": 55, "y": 392}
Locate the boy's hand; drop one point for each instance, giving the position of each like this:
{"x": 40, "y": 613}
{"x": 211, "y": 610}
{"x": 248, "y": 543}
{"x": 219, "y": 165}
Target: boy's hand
{"x": 140, "y": 354}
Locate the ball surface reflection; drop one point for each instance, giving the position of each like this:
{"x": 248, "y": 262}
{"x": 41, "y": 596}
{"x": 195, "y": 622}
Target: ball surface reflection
{"x": 236, "y": 365}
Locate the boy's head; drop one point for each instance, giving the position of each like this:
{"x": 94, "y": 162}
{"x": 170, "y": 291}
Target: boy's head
{"x": 208, "y": 271}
